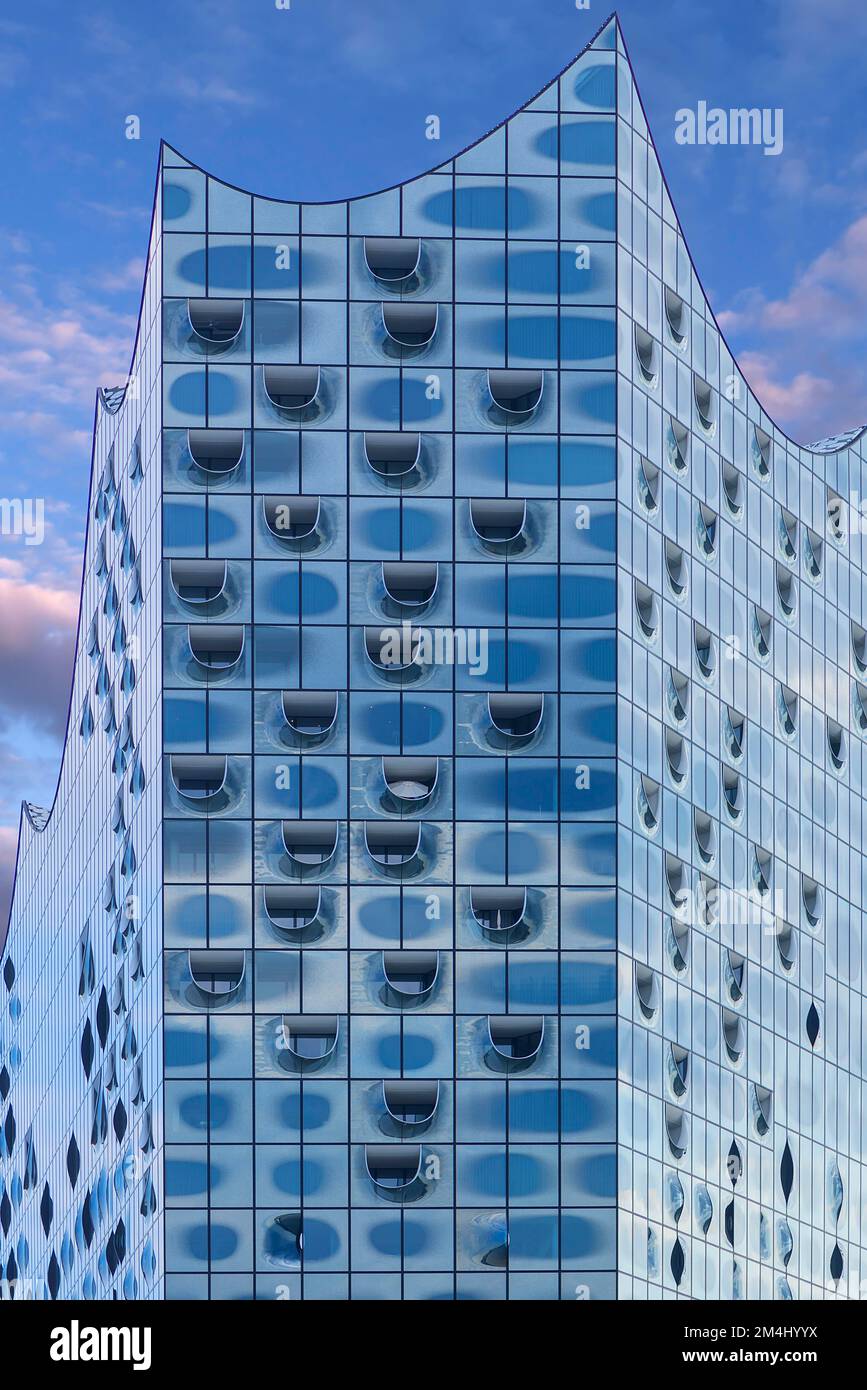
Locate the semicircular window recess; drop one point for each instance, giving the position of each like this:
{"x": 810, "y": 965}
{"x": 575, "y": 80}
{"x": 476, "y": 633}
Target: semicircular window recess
{"x": 705, "y": 650}
{"x": 676, "y": 569}
{"x": 704, "y": 833}
{"x": 393, "y": 455}
{"x": 813, "y": 554}
{"x": 291, "y": 387}
{"x": 646, "y": 990}
{"x": 733, "y": 793}
{"x": 216, "y": 321}
{"x": 410, "y": 583}
{"x": 733, "y": 488}
{"x": 788, "y": 535}
{"x": 198, "y": 776}
{"x": 309, "y": 1038}
{"x": 310, "y": 713}
{"x": 410, "y": 323}
{"x": 762, "y": 870}
{"x": 216, "y": 646}
{"x": 787, "y": 710}
{"x": 675, "y": 316}
{"x": 498, "y": 910}
{"x": 734, "y": 1034}
{"x": 677, "y": 445}
{"x": 859, "y": 647}
{"x": 678, "y": 1069}
{"x": 787, "y": 944}
{"x": 411, "y": 781}
{"x": 706, "y": 525}
{"x": 787, "y": 591}
{"x": 646, "y": 610}
{"x": 392, "y": 259}
{"x": 763, "y": 632}
{"x": 218, "y": 974}
{"x": 734, "y": 733}
{"x": 648, "y": 484}
{"x": 677, "y": 1130}
{"x": 813, "y": 900}
{"x": 836, "y": 736}
{"x": 676, "y": 757}
{"x": 309, "y": 844}
{"x": 516, "y": 1038}
{"x": 292, "y": 907}
{"x": 292, "y": 518}
{"x": 516, "y": 716}
{"x": 677, "y": 938}
{"x": 393, "y": 1168}
{"x": 676, "y": 883}
{"x": 647, "y": 355}
{"x": 498, "y": 521}
{"x": 648, "y": 798}
{"x": 410, "y": 975}
{"x": 411, "y": 1103}
{"x": 762, "y": 451}
{"x": 216, "y": 452}
{"x": 859, "y": 705}
{"x": 836, "y": 511}
{"x": 705, "y": 403}
{"x": 393, "y": 658}
{"x": 392, "y": 844}
{"x": 762, "y": 1107}
{"x": 198, "y": 581}
{"x": 516, "y": 391}
{"x": 677, "y": 696}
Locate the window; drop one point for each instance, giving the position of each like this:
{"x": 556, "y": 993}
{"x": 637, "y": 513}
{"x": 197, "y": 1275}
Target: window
{"x": 393, "y": 456}
{"x": 498, "y": 521}
{"x": 216, "y": 322}
{"x": 216, "y": 452}
{"x": 733, "y": 488}
{"x": 309, "y": 843}
{"x": 408, "y": 323}
{"x": 515, "y": 1039}
{"x": 648, "y": 485}
{"x": 515, "y": 391}
{"x": 216, "y": 646}
{"x": 675, "y": 316}
{"x": 292, "y": 908}
{"x": 647, "y": 356}
{"x": 761, "y": 452}
{"x": 410, "y": 584}
{"x": 392, "y": 259}
{"x": 705, "y": 403}
{"x": 677, "y": 445}
{"x": 410, "y": 976}
{"x": 392, "y": 844}
{"x": 410, "y": 781}
{"x": 311, "y": 714}
{"x": 497, "y": 911}
{"x": 291, "y": 388}
{"x": 516, "y": 716}
{"x": 292, "y": 518}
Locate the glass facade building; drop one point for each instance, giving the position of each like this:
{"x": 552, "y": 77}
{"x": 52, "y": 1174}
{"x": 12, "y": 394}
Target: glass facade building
{"x": 454, "y": 884}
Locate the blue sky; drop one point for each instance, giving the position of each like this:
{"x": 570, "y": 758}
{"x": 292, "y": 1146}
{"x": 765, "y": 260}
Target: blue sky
{"x": 329, "y": 98}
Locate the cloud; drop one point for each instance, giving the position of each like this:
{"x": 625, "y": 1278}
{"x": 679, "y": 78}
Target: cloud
{"x": 37, "y": 632}
{"x": 8, "y": 850}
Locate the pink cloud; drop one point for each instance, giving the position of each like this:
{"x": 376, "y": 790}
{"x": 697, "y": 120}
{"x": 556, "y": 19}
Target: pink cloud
{"x": 37, "y": 634}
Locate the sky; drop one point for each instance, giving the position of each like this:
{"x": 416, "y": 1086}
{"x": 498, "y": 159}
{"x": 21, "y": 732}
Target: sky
{"x": 328, "y": 98}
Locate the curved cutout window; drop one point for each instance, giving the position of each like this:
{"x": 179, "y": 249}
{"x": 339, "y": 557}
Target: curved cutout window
{"x": 677, "y": 1130}
{"x": 859, "y": 705}
{"x": 704, "y": 832}
{"x": 813, "y": 1024}
{"x": 392, "y": 844}
{"x": 516, "y": 716}
{"x": 410, "y": 583}
{"x": 217, "y": 973}
{"x": 705, "y": 402}
{"x": 392, "y": 259}
{"x": 788, "y": 535}
{"x": 708, "y": 902}
{"x": 411, "y": 974}
{"x": 646, "y": 354}
{"x": 733, "y": 793}
{"x": 198, "y": 776}
{"x": 706, "y": 524}
{"x": 291, "y": 388}
{"x": 787, "y": 591}
{"x": 675, "y": 316}
{"x": 676, "y": 758}
{"x": 392, "y": 455}
{"x": 787, "y": 945}
{"x": 393, "y": 1167}
{"x": 498, "y": 909}
{"x": 216, "y": 646}
{"x": 734, "y": 1034}
{"x": 812, "y": 897}
{"x": 813, "y": 554}
{"x": 762, "y": 1108}
{"x": 217, "y": 452}
{"x": 836, "y": 509}
{"x": 676, "y": 883}
{"x": 733, "y": 488}
{"x": 763, "y": 632}
{"x": 217, "y": 321}
{"x": 704, "y": 650}
{"x": 409, "y": 323}
{"x": 677, "y": 696}
{"x": 516, "y": 1037}
{"x": 292, "y": 907}
{"x": 410, "y": 779}
{"x": 677, "y": 936}
{"x": 198, "y": 581}
{"x": 411, "y": 1103}
{"x": 310, "y": 843}
{"x": 859, "y": 647}
{"x": 761, "y": 452}
{"x": 836, "y": 743}
{"x": 734, "y": 968}
{"x": 498, "y": 521}
{"x": 648, "y": 804}
{"x": 734, "y": 733}
{"x": 787, "y": 710}
{"x": 646, "y": 990}
{"x": 292, "y": 518}
{"x": 310, "y": 1037}
{"x": 677, "y": 445}
{"x": 678, "y": 1074}
{"x": 646, "y": 610}
{"x": 676, "y": 569}
{"x": 648, "y": 484}
{"x": 763, "y": 870}
{"x": 389, "y": 657}
{"x": 515, "y": 391}
{"x": 310, "y": 713}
